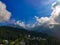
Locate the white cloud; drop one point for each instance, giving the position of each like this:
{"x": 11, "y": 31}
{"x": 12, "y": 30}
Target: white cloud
{"x": 30, "y": 26}
{"x": 4, "y": 14}
{"x": 22, "y": 24}
{"x": 54, "y": 18}
{"x": 42, "y": 19}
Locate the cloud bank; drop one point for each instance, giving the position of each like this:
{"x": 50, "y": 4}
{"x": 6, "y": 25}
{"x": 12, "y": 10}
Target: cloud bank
{"x": 24, "y": 25}
{"x": 4, "y": 13}
{"x": 20, "y": 23}
{"x": 53, "y": 19}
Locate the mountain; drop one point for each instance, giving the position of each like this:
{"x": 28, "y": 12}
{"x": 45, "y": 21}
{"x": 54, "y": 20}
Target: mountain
{"x": 52, "y": 29}
{"x": 12, "y": 33}
{"x": 30, "y": 37}
{"x": 43, "y": 29}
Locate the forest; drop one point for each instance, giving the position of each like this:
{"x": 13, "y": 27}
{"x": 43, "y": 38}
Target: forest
{"x": 20, "y": 36}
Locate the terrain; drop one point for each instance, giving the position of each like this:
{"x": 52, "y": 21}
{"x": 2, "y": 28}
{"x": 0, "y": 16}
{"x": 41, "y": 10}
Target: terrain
{"x": 18, "y": 35}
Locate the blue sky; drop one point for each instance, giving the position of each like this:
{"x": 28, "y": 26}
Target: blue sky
{"x": 25, "y": 10}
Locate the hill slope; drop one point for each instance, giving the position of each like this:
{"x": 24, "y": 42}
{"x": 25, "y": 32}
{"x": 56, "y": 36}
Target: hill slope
{"x": 12, "y": 33}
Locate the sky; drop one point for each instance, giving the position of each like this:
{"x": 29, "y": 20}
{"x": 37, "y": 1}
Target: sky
{"x": 25, "y": 10}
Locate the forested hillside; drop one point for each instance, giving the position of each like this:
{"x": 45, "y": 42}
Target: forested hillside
{"x": 14, "y": 36}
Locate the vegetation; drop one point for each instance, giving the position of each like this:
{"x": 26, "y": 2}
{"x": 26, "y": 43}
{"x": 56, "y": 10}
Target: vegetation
{"x": 21, "y": 36}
